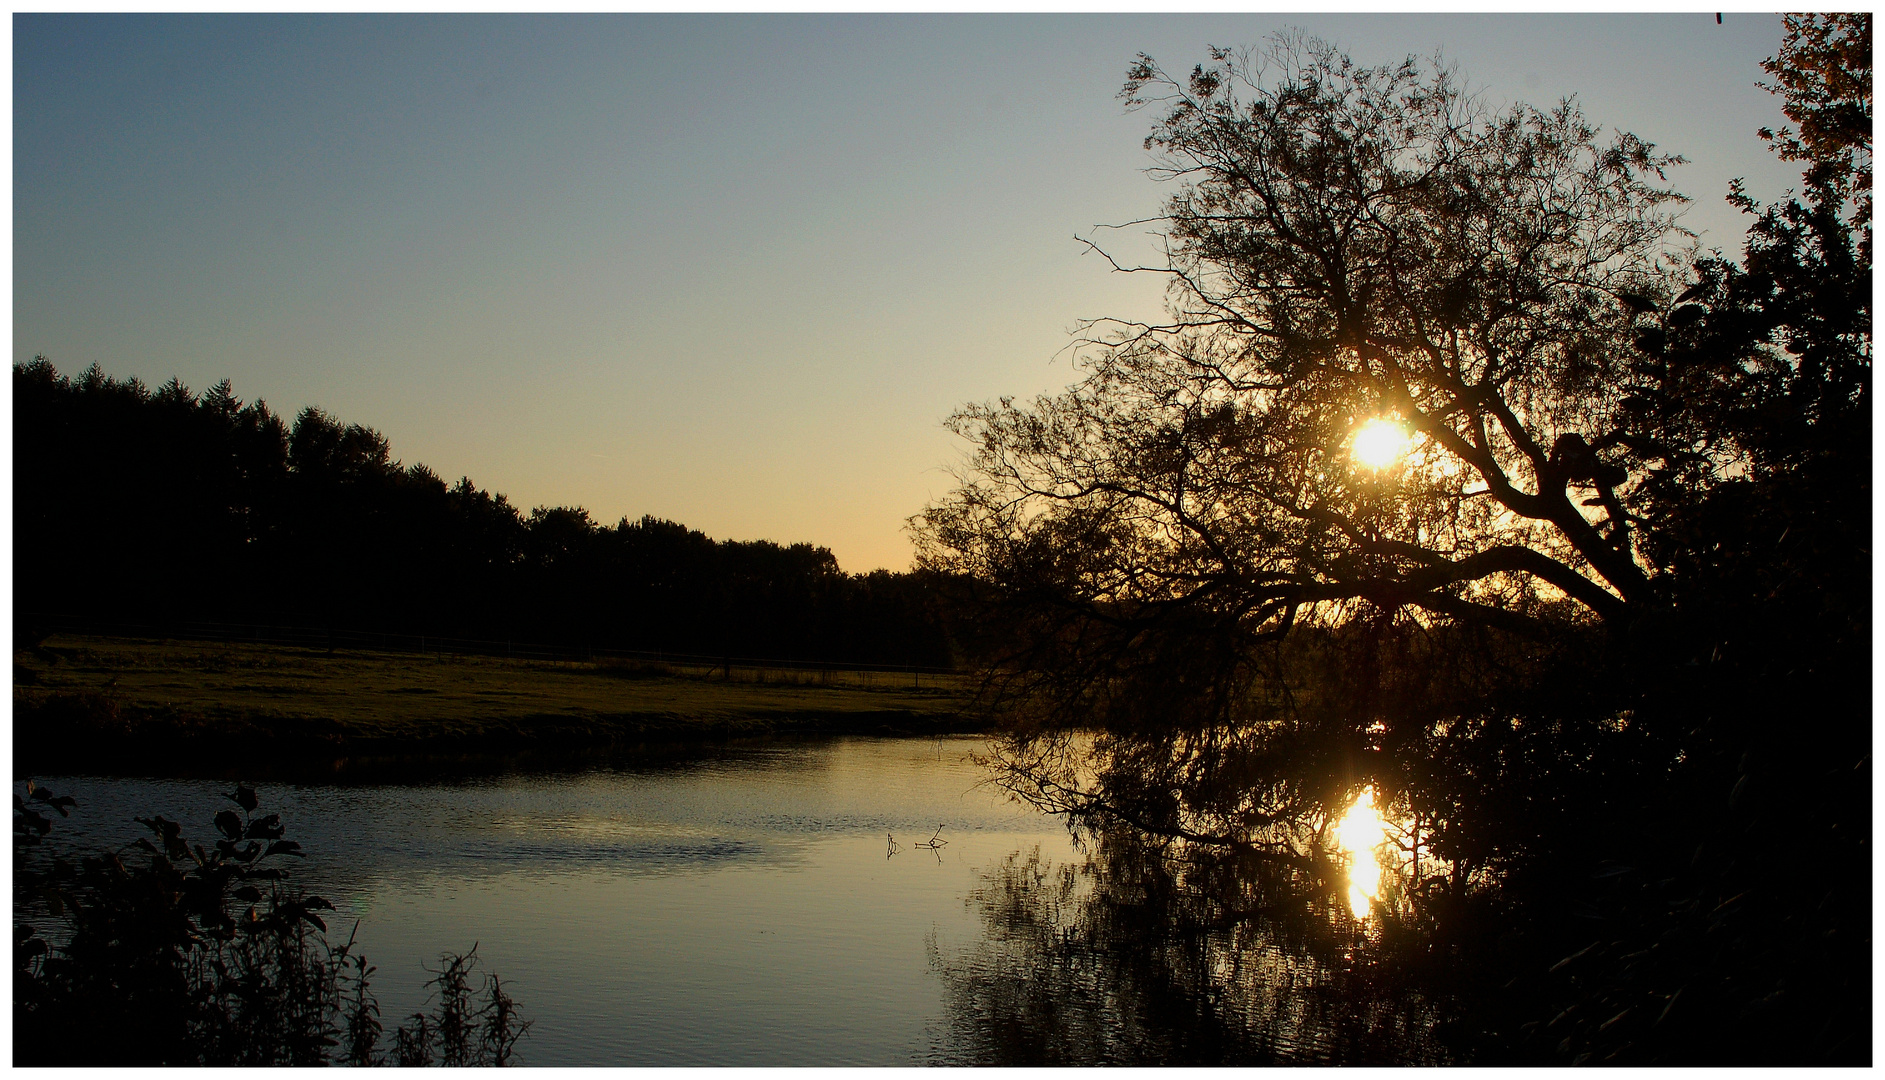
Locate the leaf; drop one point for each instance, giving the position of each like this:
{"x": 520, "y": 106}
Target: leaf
{"x": 229, "y": 824}
{"x": 248, "y": 894}
{"x": 57, "y": 802}
{"x": 265, "y": 828}
{"x": 1636, "y": 302}
{"x": 244, "y": 796}
{"x": 168, "y": 831}
{"x": 284, "y": 847}
{"x": 1687, "y": 315}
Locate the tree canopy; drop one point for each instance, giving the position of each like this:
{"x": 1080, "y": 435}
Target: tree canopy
{"x": 1457, "y": 471}
{"x": 1422, "y": 359}
{"x": 1350, "y": 245}
{"x": 156, "y": 507}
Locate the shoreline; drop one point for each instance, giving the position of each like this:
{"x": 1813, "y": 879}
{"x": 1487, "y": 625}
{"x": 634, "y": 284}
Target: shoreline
{"x": 111, "y": 706}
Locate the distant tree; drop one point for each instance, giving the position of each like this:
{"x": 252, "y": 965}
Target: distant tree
{"x": 165, "y": 506}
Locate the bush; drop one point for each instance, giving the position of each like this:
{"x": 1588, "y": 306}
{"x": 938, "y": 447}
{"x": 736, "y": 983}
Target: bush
{"x": 173, "y": 953}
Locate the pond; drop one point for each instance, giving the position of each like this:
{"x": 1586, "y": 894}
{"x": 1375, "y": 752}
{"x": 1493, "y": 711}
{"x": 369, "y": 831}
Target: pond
{"x": 837, "y": 902}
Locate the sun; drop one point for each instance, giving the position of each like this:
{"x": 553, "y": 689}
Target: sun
{"x": 1380, "y": 443}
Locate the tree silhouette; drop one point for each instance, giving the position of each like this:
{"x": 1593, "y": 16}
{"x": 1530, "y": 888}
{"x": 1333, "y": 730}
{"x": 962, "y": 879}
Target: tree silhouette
{"x": 1349, "y": 244}
{"x": 166, "y": 506}
{"x": 1601, "y": 628}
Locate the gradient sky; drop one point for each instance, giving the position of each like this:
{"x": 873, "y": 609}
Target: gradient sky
{"x": 729, "y": 270}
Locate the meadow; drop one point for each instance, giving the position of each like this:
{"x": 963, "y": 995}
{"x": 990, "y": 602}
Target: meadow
{"x": 136, "y": 703}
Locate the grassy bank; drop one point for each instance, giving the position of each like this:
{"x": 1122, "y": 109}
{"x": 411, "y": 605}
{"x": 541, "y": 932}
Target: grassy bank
{"x": 117, "y": 704}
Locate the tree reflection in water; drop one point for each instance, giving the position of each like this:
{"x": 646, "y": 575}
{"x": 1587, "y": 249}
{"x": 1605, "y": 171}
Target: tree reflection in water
{"x": 1154, "y": 953}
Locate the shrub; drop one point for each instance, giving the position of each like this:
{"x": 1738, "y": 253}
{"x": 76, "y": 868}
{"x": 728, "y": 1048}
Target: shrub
{"x": 173, "y": 953}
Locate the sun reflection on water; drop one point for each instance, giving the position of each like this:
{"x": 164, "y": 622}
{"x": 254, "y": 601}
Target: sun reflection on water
{"x": 1360, "y": 835}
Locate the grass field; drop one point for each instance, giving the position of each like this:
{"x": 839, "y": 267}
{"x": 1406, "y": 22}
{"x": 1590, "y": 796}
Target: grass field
{"x": 79, "y": 696}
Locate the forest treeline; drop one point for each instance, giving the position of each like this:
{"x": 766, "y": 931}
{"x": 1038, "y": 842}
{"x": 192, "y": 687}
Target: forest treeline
{"x": 162, "y": 505}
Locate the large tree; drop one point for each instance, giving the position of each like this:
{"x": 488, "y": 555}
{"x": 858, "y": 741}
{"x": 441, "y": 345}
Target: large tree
{"x": 1599, "y": 629}
{"x": 1353, "y": 252}
{"x": 1358, "y": 256}
{"x": 1435, "y": 376}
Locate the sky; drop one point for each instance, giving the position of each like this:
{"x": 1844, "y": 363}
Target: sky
{"x": 729, "y": 270}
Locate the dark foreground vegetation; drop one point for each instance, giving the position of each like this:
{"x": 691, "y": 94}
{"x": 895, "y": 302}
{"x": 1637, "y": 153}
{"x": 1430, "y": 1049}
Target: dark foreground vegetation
{"x": 173, "y": 953}
{"x": 164, "y": 506}
{"x": 1600, "y": 636}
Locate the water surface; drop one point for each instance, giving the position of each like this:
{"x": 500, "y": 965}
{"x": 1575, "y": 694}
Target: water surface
{"x": 743, "y": 909}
